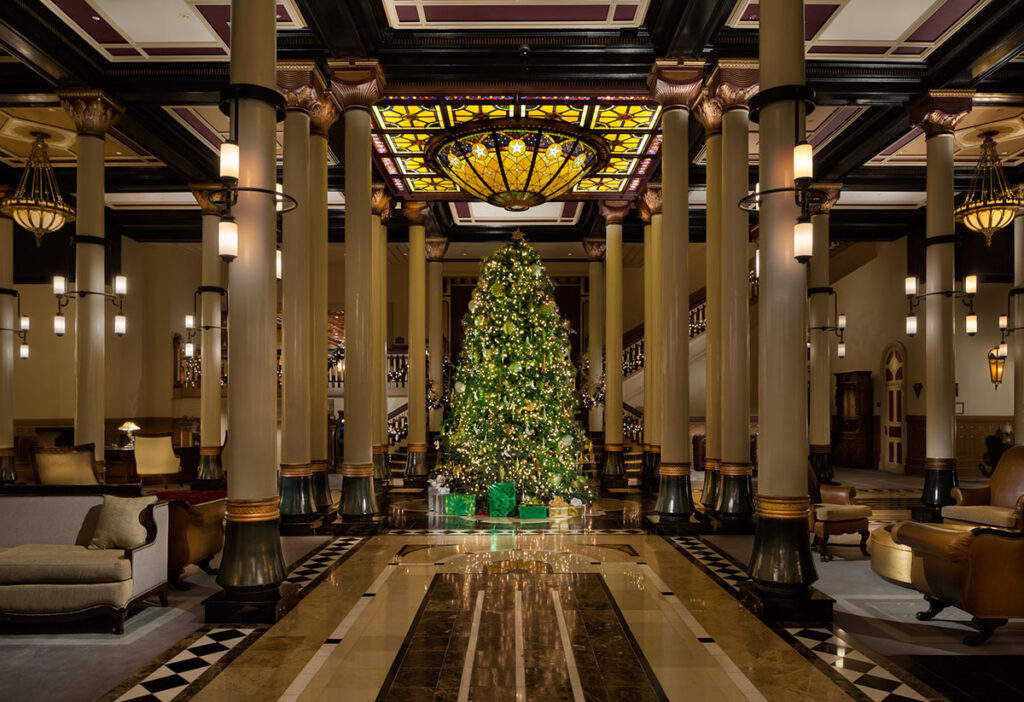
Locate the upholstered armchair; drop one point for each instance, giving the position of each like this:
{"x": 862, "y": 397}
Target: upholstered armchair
{"x": 999, "y": 504}
{"x": 980, "y": 571}
{"x": 65, "y": 465}
{"x": 154, "y": 457}
{"x": 833, "y": 512}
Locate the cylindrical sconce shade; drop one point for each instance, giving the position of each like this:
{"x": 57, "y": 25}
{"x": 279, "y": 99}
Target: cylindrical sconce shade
{"x": 841, "y": 350}
{"x": 841, "y": 321}
{"x": 24, "y": 351}
{"x": 190, "y": 322}
{"x": 757, "y": 262}
{"x": 120, "y": 324}
{"x": 227, "y": 238}
{"x": 229, "y": 161}
{"x": 971, "y": 325}
{"x": 1003, "y": 322}
{"x": 1004, "y": 350}
{"x": 280, "y": 264}
{"x": 190, "y": 349}
{"x": 911, "y": 324}
{"x": 59, "y": 324}
{"x": 971, "y": 284}
{"x": 25, "y": 322}
{"x": 120, "y": 285}
{"x": 910, "y": 285}
{"x": 279, "y": 198}
{"x": 803, "y": 240}
{"x": 60, "y": 285}
{"x": 803, "y": 163}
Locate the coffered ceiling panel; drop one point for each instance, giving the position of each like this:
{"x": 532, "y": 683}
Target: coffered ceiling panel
{"x": 160, "y": 30}
{"x": 872, "y": 29}
{"x": 546, "y": 214}
{"x": 519, "y": 14}
{"x": 1006, "y": 122}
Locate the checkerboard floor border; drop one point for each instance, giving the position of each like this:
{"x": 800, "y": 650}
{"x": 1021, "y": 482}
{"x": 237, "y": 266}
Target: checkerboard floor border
{"x": 511, "y": 530}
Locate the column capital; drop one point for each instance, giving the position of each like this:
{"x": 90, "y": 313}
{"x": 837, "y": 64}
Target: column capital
{"x": 380, "y": 202}
{"x": 674, "y": 83}
{"x": 594, "y": 247}
{"x": 93, "y": 111}
{"x": 734, "y": 82}
{"x": 301, "y": 84}
{"x": 357, "y": 83}
{"x": 416, "y": 211}
{"x": 708, "y": 112}
{"x": 323, "y": 113}
{"x": 614, "y": 211}
{"x": 643, "y": 211}
{"x": 651, "y": 197}
{"x": 436, "y": 247}
{"x": 833, "y": 190}
{"x": 204, "y": 195}
{"x": 940, "y": 111}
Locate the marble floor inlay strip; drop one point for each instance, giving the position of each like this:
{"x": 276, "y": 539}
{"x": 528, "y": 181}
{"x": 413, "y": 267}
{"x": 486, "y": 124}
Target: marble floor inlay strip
{"x": 570, "y": 659}
{"x": 474, "y": 636}
{"x": 520, "y": 650}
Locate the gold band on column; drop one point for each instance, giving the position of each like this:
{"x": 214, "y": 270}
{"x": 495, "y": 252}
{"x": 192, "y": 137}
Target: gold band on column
{"x": 821, "y": 448}
{"x": 6, "y": 451}
{"x": 379, "y": 449}
{"x": 253, "y": 510}
{"x": 674, "y": 470}
{"x": 711, "y": 464}
{"x": 417, "y": 448}
{"x": 645, "y": 447}
{"x": 783, "y": 507}
{"x": 357, "y": 470}
{"x": 740, "y": 469}
{"x": 296, "y": 470}
{"x": 613, "y": 448}
{"x": 654, "y": 448}
{"x": 209, "y": 450}
{"x": 318, "y": 466}
{"x": 940, "y": 464}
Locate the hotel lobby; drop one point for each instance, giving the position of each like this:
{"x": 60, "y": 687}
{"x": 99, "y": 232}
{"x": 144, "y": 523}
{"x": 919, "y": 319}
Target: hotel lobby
{"x": 460, "y": 350}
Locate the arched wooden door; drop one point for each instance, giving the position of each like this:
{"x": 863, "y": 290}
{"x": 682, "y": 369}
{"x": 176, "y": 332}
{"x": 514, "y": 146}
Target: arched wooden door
{"x": 893, "y": 413}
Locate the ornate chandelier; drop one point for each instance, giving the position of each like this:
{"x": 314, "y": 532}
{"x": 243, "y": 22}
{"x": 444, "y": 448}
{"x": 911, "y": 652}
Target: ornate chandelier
{"x": 990, "y": 204}
{"x": 37, "y": 205}
{"x": 517, "y": 163}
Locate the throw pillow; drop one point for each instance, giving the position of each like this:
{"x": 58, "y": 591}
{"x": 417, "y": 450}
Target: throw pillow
{"x": 120, "y": 523}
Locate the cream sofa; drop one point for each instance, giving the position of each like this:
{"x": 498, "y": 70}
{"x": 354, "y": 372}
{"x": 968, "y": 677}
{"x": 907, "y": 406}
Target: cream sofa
{"x": 47, "y": 574}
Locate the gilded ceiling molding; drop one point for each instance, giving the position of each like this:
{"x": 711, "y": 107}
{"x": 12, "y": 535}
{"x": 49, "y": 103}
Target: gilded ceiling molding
{"x": 380, "y": 202}
{"x": 416, "y": 211}
{"x": 301, "y": 84}
{"x": 436, "y": 247}
{"x": 833, "y": 191}
{"x": 357, "y": 83}
{"x": 614, "y": 211}
{"x": 323, "y": 114}
{"x": 708, "y": 112}
{"x": 93, "y": 111}
{"x": 594, "y": 248}
{"x": 651, "y": 197}
{"x": 940, "y": 111}
{"x": 674, "y": 84}
{"x": 734, "y": 82}
{"x": 204, "y": 195}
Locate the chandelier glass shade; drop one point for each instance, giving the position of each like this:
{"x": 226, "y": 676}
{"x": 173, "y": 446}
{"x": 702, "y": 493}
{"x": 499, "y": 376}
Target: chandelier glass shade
{"x": 517, "y": 163}
{"x": 37, "y": 205}
{"x": 990, "y": 204}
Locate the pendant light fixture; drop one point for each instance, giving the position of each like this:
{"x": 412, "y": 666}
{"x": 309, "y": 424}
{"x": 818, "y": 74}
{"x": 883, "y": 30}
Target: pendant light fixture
{"x": 990, "y": 204}
{"x": 37, "y": 204}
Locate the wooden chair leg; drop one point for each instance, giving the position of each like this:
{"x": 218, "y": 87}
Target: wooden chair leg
{"x": 985, "y": 629}
{"x": 864, "y": 542}
{"x": 162, "y": 594}
{"x": 934, "y": 607}
{"x": 823, "y": 549}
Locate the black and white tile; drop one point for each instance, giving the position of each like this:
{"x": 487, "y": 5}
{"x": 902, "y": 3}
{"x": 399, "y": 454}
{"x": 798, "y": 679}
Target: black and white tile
{"x": 313, "y": 567}
{"x": 720, "y": 566}
{"x": 510, "y": 530}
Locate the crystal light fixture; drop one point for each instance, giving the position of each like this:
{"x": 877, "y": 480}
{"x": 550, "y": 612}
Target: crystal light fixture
{"x": 37, "y": 204}
{"x": 990, "y": 204}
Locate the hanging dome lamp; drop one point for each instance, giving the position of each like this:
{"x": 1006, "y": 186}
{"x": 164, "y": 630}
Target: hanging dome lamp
{"x": 37, "y": 205}
{"x": 990, "y": 204}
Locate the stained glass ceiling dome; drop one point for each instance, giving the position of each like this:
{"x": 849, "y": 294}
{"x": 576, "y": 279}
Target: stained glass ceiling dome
{"x": 517, "y": 163}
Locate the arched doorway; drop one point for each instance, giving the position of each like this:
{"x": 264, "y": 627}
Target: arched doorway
{"x": 894, "y": 425}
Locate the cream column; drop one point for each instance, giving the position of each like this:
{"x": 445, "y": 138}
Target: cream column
{"x": 436, "y": 248}
{"x": 297, "y": 501}
{"x": 252, "y": 562}
{"x": 211, "y": 293}
{"x": 417, "y": 213}
{"x": 1017, "y": 322}
{"x": 937, "y": 113}
{"x": 93, "y": 113}
{"x": 381, "y": 211}
{"x": 613, "y": 212}
{"x": 709, "y": 113}
{"x": 645, "y": 216}
{"x": 595, "y": 322}
{"x": 653, "y": 361}
{"x": 675, "y": 84}
{"x": 734, "y": 83}
{"x": 819, "y": 293}
{"x": 781, "y": 564}
{"x": 358, "y": 84}
{"x": 323, "y": 113}
{"x": 8, "y": 340}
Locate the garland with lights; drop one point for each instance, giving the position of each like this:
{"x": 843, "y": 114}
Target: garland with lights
{"x": 513, "y": 408}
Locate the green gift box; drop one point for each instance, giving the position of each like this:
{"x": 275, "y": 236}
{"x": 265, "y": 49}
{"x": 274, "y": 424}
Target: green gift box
{"x": 460, "y": 505}
{"x": 533, "y": 512}
{"x": 502, "y": 499}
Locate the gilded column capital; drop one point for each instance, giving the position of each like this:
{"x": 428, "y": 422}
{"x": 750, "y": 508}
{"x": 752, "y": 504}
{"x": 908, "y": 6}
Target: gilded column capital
{"x": 674, "y": 84}
{"x": 614, "y": 211}
{"x": 380, "y": 202}
{"x": 301, "y": 84}
{"x": 93, "y": 111}
{"x": 436, "y": 247}
{"x": 940, "y": 111}
{"x": 357, "y": 83}
{"x": 204, "y": 193}
{"x": 651, "y": 197}
{"x": 643, "y": 211}
{"x": 833, "y": 190}
{"x": 708, "y": 112}
{"x": 416, "y": 211}
{"x": 323, "y": 114}
{"x": 594, "y": 247}
{"x": 734, "y": 82}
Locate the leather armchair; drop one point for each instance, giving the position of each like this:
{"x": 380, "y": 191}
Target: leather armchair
{"x": 1000, "y": 504}
{"x": 980, "y": 571}
{"x": 833, "y": 512}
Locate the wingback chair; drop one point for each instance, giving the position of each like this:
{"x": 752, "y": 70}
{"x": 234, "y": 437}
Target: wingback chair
{"x": 833, "y": 512}
{"x": 154, "y": 456}
{"x": 1000, "y": 503}
{"x": 65, "y": 465}
{"x": 980, "y": 571}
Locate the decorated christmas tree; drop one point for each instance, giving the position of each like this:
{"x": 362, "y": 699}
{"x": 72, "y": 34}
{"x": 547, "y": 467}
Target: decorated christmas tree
{"x": 513, "y": 409}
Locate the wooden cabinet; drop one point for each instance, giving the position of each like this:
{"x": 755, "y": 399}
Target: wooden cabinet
{"x": 852, "y": 441}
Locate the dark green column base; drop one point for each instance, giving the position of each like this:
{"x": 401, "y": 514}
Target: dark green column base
{"x": 265, "y": 608}
{"x": 416, "y": 465}
{"x": 812, "y": 607}
{"x": 322, "y": 492}
{"x": 210, "y": 468}
{"x": 380, "y": 466}
{"x": 650, "y": 481}
{"x": 252, "y": 566}
{"x": 709, "y": 496}
{"x": 938, "y": 485}
{"x": 357, "y": 498}
{"x": 297, "y": 496}
{"x": 675, "y": 499}
{"x": 781, "y": 564}
{"x": 734, "y": 513}
{"x": 8, "y": 473}
{"x": 613, "y": 466}
{"x": 822, "y": 465}
{"x": 673, "y": 527}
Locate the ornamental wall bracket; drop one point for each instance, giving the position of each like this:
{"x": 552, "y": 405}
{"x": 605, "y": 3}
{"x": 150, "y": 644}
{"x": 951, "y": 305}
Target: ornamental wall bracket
{"x": 93, "y": 111}
{"x": 832, "y": 192}
{"x": 380, "y": 202}
{"x": 674, "y": 83}
{"x": 210, "y": 197}
{"x": 357, "y": 83}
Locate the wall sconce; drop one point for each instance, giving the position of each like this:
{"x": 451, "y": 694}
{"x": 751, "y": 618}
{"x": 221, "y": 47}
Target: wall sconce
{"x": 911, "y": 286}
{"x": 278, "y": 263}
{"x": 996, "y": 366}
{"x": 840, "y": 327}
{"x": 64, "y": 297}
{"x": 190, "y": 319}
{"x": 24, "y": 323}
{"x": 1004, "y": 322}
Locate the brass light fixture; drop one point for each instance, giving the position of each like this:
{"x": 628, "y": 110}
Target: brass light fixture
{"x": 990, "y": 204}
{"x": 517, "y": 163}
{"x": 996, "y": 365}
{"x": 37, "y": 205}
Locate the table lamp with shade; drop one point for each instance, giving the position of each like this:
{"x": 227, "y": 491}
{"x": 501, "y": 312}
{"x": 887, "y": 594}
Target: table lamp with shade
{"x": 128, "y": 427}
